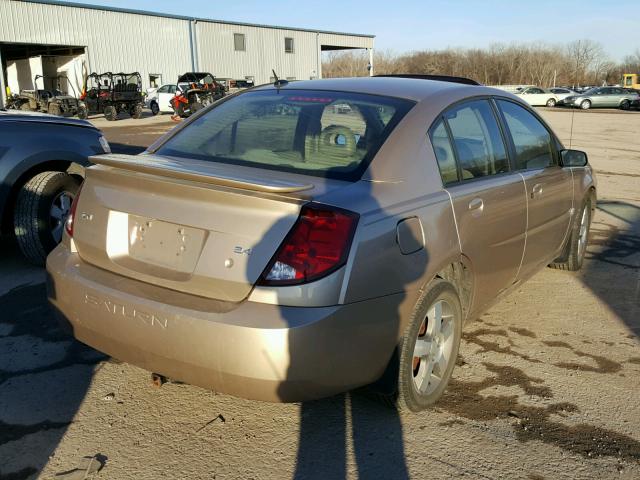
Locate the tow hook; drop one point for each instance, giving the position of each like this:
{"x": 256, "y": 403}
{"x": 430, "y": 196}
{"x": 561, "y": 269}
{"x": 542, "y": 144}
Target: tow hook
{"x": 158, "y": 380}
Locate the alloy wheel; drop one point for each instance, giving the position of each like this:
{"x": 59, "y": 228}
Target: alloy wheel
{"x": 432, "y": 352}
{"x": 58, "y": 213}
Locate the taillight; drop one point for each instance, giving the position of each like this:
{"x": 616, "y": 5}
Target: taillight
{"x": 68, "y": 224}
{"x": 317, "y": 245}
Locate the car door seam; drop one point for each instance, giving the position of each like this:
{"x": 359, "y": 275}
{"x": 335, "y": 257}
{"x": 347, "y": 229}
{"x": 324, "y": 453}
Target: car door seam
{"x": 526, "y": 225}
{"x": 455, "y": 220}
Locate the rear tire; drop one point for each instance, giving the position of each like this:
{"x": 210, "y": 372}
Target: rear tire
{"x": 110, "y": 113}
{"x": 195, "y": 106}
{"x": 155, "y": 108}
{"x": 585, "y": 104}
{"x": 551, "y": 102}
{"x": 136, "y": 111}
{"x": 573, "y": 255}
{"x": 625, "y": 105}
{"x": 428, "y": 351}
{"x": 41, "y": 209}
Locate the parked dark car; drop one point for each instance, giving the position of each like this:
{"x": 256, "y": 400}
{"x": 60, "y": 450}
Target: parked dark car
{"x": 42, "y": 160}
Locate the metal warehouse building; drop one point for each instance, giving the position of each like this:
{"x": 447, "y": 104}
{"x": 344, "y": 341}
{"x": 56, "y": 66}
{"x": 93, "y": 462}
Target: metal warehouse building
{"x": 45, "y": 37}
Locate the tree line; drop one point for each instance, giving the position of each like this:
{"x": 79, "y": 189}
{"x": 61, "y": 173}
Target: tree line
{"x": 581, "y": 62}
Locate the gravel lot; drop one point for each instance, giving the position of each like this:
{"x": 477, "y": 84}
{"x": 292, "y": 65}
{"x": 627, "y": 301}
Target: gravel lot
{"x": 547, "y": 384}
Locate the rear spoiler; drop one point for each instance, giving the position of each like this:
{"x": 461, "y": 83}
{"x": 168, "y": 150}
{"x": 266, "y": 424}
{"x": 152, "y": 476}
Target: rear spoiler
{"x": 189, "y": 171}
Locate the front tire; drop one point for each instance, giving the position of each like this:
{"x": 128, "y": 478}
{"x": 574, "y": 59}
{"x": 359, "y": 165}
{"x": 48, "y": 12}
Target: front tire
{"x": 83, "y": 113}
{"x": 41, "y": 210}
{"x": 585, "y": 104}
{"x": 155, "y": 108}
{"x": 429, "y": 348}
{"x": 573, "y": 255}
{"x": 625, "y": 105}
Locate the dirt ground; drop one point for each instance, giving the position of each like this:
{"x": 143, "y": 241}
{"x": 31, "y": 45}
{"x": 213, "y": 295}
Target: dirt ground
{"x": 547, "y": 384}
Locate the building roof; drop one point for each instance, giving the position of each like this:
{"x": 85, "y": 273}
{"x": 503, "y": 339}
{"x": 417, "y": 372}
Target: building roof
{"x": 183, "y": 17}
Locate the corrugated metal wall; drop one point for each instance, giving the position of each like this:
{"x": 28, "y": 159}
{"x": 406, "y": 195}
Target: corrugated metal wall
{"x": 122, "y": 41}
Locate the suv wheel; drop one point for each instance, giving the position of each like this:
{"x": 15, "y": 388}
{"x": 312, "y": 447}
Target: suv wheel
{"x": 428, "y": 350}
{"x": 110, "y": 113}
{"x": 585, "y": 105}
{"x": 573, "y": 255}
{"x": 154, "y": 107}
{"x": 625, "y": 105}
{"x": 42, "y": 207}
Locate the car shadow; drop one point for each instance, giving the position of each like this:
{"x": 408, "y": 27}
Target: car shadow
{"x": 352, "y": 427}
{"x": 44, "y": 373}
{"x": 617, "y": 246}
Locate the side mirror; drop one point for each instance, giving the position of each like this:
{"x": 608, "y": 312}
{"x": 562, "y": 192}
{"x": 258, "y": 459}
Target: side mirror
{"x": 574, "y": 158}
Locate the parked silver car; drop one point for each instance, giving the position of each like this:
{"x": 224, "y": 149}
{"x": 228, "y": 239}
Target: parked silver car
{"x": 274, "y": 248}
{"x": 612, "y": 97}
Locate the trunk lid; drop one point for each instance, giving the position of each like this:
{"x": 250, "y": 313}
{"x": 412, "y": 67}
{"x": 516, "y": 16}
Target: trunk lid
{"x": 197, "y": 227}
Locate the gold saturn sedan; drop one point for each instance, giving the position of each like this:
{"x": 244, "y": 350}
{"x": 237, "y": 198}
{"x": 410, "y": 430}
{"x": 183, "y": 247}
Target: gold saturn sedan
{"x": 302, "y": 239}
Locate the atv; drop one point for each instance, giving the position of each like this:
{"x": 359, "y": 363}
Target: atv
{"x": 195, "y": 90}
{"x": 111, "y": 93}
{"x": 49, "y": 100}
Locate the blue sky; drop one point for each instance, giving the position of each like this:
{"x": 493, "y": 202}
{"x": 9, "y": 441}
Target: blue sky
{"x": 410, "y": 25}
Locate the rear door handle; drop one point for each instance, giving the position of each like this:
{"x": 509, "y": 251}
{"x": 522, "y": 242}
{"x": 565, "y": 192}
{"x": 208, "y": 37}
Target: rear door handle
{"x": 476, "y": 206}
{"x": 536, "y": 191}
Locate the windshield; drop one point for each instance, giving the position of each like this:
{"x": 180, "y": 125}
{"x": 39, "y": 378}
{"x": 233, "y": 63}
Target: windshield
{"x": 321, "y": 133}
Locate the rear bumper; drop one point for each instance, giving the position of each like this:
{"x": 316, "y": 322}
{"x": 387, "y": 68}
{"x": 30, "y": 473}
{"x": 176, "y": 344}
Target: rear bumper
{"x": 250, "y": 350}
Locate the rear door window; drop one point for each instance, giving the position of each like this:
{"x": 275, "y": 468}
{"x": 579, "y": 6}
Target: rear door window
{"x": 532, "y": 141}
{"x": 321, "y": 133}
{"x": 444, "y": 153}
{"x": 477, "y": 140}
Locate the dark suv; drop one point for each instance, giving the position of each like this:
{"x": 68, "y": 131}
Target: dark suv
{"x": 42, "y": 160}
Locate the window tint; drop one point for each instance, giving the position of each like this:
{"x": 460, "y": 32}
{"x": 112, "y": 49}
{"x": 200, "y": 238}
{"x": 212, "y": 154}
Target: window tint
{"x": 533, "y": 143}
{"x": 238, "y": 42}
{"x": 328, "y": 134}
{"x": 444, "y": 153}
{"x": 477, "y": 140}
{"x": 164, "y": 89}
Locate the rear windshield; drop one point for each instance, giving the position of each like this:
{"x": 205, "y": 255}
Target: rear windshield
{"x": 320, "y": 133}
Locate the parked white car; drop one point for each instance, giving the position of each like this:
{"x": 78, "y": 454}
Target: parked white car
{"x": 538, "y": 97}
{"x": 159, "y": 100}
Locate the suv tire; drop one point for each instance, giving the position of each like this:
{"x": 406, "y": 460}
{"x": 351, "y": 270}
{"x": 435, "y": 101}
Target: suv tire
{"x": 40, "y": 212}
{"x": 154, "y": 107}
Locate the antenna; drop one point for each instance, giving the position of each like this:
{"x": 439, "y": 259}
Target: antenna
{"x": 278, "y": 83}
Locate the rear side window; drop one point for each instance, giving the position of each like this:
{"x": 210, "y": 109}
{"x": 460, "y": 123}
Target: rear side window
{"x": 477, "y": 140}
{"x": 532, "y": 141}
{"x": 444, "y": 153}
{"x": 321, "y": 133}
